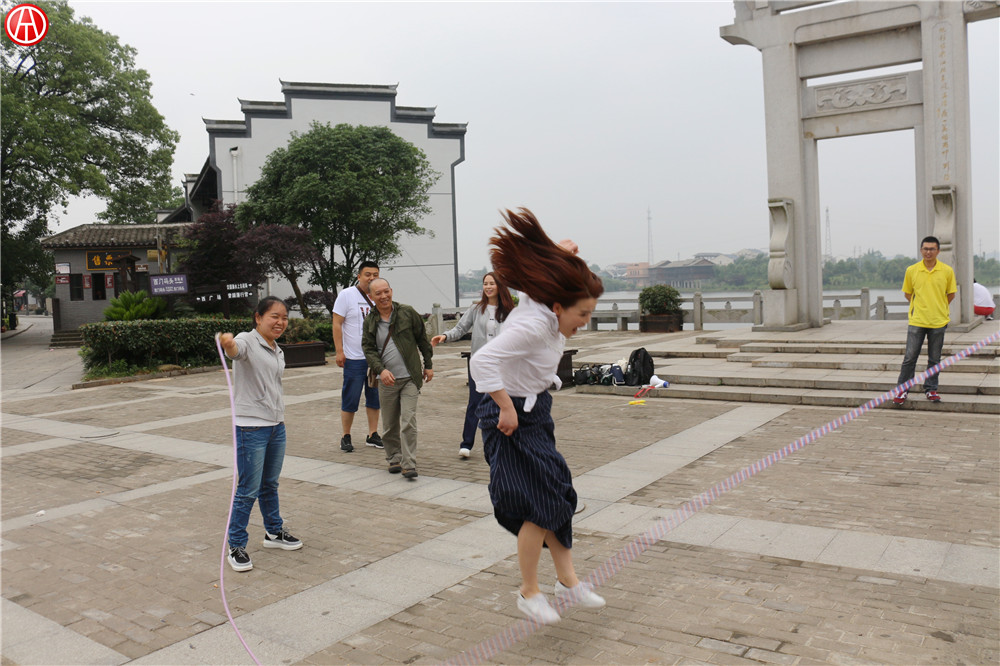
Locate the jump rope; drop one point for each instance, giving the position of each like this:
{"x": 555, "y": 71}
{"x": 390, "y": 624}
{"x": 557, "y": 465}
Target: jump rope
{"x": 525, "y": 627}
{"x": 229, "y": 518}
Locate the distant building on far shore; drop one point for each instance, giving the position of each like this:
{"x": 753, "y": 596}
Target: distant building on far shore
{"x": 638, "y": 274}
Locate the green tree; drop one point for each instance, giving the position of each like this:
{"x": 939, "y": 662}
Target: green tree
{"x": 744, "y": 273}
{"x": 139, "y": 204}
{"x": 357, "y": 189}
{"x": 77, "y": 120}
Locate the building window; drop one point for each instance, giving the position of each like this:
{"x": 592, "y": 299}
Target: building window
{"x": 76, "y": 286}
{"x": 98, "y": 292}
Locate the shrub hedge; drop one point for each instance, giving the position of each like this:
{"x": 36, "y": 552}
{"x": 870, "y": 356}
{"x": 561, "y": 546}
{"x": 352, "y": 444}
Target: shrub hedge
{"x": 184, "y": 342}
{"x": 148, "y": 342}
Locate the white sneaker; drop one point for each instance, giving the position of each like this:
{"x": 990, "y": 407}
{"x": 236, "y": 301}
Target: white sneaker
{"x": 582, "y": 594}
{"x": 537, "y": 608}
{"x": 464, "y": 453}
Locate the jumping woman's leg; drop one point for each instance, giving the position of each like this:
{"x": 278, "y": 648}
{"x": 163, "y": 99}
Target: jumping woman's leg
{"x": 529, "y": 550}
{"x": 562, "y": 558}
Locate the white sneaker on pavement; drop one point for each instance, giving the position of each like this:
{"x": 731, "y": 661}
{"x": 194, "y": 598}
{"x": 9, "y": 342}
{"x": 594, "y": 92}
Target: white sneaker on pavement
{"x": 464, "y": 452}
{"x": 582, "y": 594}
{"x": 537, "y": 608}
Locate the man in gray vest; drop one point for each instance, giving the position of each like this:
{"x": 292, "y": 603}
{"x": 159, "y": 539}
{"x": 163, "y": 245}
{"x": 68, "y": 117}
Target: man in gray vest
{"x": 393, "y": 339}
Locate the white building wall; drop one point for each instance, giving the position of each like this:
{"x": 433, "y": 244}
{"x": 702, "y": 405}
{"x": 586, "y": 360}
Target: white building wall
{"x": 426, "y": 271}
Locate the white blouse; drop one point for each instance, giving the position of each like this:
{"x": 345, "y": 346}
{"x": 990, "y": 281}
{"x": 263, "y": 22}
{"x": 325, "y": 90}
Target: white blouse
{"x": 525, "y": 356}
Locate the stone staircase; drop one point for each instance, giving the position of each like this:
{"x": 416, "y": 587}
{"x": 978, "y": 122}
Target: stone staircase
{"x": 67, "y": 339}
{"x": 846, "y": 369}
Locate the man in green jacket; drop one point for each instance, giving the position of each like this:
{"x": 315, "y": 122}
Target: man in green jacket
{"x": 392, "y": 335}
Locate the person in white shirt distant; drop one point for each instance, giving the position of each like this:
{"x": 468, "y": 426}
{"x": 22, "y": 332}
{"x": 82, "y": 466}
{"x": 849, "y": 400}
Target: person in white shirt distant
{"x": 982, "y": 301}
{"x": 349, "y": 312}
{"x": 530, "y": 484}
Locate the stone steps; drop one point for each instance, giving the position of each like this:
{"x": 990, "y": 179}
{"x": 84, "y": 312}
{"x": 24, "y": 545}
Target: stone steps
{"x": 66, "y": 339}
{"x": 842, "y": 365}
{"x": 870, "y": 362}
{"x": 991, "y": 351}
{"x": 961, "y": 403}
{"x": 875, "y": 382}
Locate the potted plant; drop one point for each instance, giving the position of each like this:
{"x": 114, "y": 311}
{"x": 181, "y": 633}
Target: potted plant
{"x": 660, "y": 309}
{"x": 301, "y": 344}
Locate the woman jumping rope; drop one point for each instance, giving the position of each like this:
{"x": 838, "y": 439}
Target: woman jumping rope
{"x": 530, "y": 484}
{"x": 484, "y": 319}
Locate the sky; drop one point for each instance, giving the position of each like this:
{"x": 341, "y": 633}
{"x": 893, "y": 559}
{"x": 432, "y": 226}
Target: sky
{"x": 596, "y": 116}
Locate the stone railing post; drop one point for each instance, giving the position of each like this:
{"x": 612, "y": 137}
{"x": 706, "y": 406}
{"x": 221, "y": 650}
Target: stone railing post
{"x": 698, "y": 311}
{"x": 438, "y": 318}
{"x": 880, "y": 308}
{"x": 758, "y": 308}
{"x": 865, "y": 311}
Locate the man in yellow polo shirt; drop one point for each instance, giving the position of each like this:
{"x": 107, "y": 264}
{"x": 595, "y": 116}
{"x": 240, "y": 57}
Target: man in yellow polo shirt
{"x": 929, "y": 286}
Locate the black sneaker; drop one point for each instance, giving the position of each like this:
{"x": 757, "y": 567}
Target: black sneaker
{"x": 239, "y": 560}
{"x": 345, "y": 444}
{"x": 282, "y": 540}
{"x": 374, "y": 440}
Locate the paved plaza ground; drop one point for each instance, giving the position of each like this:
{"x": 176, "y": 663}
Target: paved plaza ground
{"x": 876, "y": 544}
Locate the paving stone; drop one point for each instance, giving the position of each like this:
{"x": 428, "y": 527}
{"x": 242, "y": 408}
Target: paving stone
{"x": 897, "y": 476}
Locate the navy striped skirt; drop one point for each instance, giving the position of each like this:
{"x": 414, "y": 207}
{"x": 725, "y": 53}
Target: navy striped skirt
{"x": 529, "y": 479}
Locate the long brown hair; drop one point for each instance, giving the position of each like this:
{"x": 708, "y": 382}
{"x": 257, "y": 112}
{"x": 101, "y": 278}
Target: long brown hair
{"x": 504, "y": 301}
{"x": 528, "y": 260}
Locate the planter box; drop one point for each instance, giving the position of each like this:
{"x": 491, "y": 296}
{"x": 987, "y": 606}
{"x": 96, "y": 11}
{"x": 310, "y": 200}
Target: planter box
{"x": 668, "y": 323}
{"x": 302, "y": 354}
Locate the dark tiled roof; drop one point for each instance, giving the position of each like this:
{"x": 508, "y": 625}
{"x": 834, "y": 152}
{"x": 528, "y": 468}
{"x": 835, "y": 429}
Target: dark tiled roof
{"x": 113, "y": 235}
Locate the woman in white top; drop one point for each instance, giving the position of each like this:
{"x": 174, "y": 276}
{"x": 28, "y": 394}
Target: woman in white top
{"x": 484, "y": 319}
{"x": 530, "y": 484}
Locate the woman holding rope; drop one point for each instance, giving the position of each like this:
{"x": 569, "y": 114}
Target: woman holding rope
{"x": 530, "y": 484}
{"x": 258, "y": 364}
{"x": 484, "y": 319}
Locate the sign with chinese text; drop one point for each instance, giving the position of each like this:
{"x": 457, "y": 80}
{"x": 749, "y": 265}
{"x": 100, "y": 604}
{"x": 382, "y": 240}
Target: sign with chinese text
{"x": 62, "y": 268}
{"x": 87, "y": 282}
{"x": 109, "y": 280}
{"x": 161, "y": 285}
{"x": 62, "y": 279}
{"x": 101, "y": 261}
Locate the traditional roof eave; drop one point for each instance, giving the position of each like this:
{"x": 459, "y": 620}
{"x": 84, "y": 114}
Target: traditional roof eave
{"x": 101, "y": 236}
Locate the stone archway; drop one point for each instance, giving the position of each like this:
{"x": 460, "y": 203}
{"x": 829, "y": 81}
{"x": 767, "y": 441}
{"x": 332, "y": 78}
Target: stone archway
{"x": 800, "y": 40}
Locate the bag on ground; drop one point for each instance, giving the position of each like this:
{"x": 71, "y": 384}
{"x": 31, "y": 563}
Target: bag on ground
{"x": 639, "y": 368}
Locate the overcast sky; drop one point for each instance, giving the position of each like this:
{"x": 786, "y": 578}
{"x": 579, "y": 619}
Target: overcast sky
{"x": 587, "y": 113}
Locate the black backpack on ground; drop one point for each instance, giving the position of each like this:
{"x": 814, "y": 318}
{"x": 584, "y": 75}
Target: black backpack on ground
{"x": 639, "y": 368}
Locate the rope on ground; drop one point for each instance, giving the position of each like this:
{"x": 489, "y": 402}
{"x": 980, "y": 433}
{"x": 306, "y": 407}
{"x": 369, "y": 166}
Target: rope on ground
{"x": 225, "y": 532}
{"x": 524, "y": 628}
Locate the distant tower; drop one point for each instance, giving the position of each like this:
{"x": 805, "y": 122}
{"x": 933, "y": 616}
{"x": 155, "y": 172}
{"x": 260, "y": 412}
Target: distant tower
{"x": 829, "y": 238}
{"x": 649, "y": 235}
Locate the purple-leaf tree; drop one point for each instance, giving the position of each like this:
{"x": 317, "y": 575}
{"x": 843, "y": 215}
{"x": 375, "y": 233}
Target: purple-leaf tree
{"x": 276, "y": 248}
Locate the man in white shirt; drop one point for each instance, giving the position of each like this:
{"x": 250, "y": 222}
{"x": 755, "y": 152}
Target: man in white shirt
{"x": 349, "y": 312}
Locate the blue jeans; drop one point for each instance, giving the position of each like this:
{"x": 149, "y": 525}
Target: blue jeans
{"x": 914, "y": 341}
{"x": 356, "y": 379}
{"x": 260, "y": 450}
